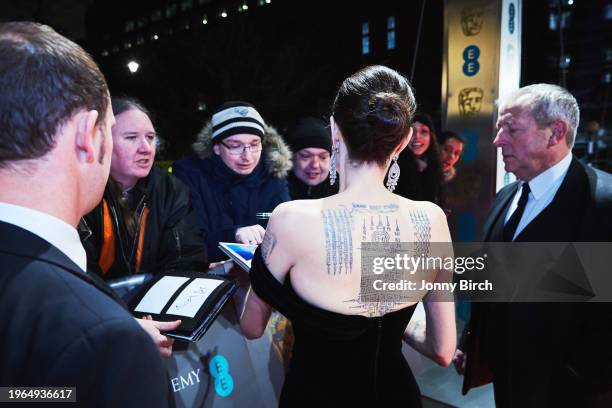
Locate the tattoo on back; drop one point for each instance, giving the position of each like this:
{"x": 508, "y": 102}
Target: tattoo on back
{"x": 267, "y": 246}
{"x": 377, "y": 225}
{"x": 422, "y": 232}
{"x": 338, "y": 226}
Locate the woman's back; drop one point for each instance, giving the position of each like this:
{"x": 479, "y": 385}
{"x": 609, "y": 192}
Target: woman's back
{"x": 343, "y": 339}
{"x": 326, "y": 239}
{"x": 332, "y": 266}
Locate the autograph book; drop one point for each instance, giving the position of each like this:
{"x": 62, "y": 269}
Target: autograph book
{"x": 194, "y": 297}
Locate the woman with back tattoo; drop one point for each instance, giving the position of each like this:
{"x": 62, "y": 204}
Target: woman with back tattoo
{"x": 338, "y": 267}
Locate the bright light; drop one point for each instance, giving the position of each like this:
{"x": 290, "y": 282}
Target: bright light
{"x": 205, "y": 21}
{"x": 268, "y": 1}
{"x": 133, "y": 66}
{"x": 570, "y": 2}
{"x": 223, "y": 14}
{"x": 245, "y": 7}
{"x": 156, "y": 37}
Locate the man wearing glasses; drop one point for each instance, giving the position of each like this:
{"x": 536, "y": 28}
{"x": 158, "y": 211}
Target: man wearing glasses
{"x": 238, "y": 171}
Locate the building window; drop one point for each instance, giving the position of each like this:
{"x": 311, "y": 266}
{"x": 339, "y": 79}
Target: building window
{"x": 141, "y": 22}
{"x": 186, "y": 5}
{"x": 365, "y": 38}
{"x": 171, "y": 10}
{"x": 156, "y": 15}
{"x": 608, "y": 12}
{"x": 391, "y": 33}
{"x": 129, "y": 26}
{"x": 553, "y": 21}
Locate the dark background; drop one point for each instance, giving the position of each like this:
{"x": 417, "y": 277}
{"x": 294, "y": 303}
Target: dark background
{"x": 288, "y": 57}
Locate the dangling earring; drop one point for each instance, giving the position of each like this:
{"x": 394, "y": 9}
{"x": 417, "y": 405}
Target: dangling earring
{"x": 393, "y": 176}
{"x": 332, "y": 165}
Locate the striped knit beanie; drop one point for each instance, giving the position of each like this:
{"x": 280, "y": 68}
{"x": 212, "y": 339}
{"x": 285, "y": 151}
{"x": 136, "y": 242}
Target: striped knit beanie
{"x": 233, "y": 118}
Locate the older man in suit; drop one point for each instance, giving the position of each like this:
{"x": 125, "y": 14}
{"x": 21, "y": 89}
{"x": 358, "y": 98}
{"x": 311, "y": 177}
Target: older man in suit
{"x": 60, "y": 327}
{"x": 543, "y": 354}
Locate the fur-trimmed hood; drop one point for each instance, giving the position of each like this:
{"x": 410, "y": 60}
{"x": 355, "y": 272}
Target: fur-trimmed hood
{"x": 276, "y": 154}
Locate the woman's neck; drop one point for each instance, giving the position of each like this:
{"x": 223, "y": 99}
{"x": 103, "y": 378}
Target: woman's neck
{"x": 357, "y": 178}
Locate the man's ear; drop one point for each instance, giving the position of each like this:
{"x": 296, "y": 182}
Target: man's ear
{"x": 403, "y": 143}
{"x": 86, "y": 129}
{"x": 558, "y": 134}
{"x": 216, "y": 149}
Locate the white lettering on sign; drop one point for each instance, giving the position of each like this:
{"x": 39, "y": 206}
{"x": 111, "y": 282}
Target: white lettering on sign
{"x": 180, "y": 383}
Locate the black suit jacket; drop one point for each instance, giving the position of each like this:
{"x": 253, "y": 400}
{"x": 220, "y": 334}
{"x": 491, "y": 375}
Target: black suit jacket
{"x": 62, "y": 328}
{"x": 548, "y": 354}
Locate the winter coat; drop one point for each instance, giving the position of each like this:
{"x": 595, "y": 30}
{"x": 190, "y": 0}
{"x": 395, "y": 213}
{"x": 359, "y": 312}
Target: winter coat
{"x": 166, "y": 234}
{"x": 416, "y": 185}
{"x": 298, "y": 190}
{"x": 224, "y": 200}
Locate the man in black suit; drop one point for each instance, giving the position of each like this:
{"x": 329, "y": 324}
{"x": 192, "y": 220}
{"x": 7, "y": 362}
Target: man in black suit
{"x": 543, "y": 354}
{"x": 59, "y": 326}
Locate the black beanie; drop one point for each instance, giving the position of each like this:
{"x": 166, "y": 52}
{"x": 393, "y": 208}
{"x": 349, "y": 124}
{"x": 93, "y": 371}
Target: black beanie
{"x": 233, "y": 118}
{"x": 310, "y": 132}
{"x": 426, "y": 120}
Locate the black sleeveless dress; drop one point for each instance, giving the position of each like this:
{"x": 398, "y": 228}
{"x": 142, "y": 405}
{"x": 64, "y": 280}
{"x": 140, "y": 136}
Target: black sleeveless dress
{"x": 339, "y": 360}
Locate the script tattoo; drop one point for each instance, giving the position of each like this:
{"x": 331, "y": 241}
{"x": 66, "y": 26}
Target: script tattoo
{"x": 376, "y": 226}
{"x": 267, "y": 246}
{"x": 379, "y": 209}
{"x": 422, "y": 232}
{"x": 338, "y": 226}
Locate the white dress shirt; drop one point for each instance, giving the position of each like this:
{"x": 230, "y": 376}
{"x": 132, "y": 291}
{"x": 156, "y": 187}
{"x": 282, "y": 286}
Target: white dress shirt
{"x": 53, "y": 230}
{"x": 543, "y": 189}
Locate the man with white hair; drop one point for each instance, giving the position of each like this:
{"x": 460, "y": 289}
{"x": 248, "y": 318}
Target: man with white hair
{"x": 543, "y": 354}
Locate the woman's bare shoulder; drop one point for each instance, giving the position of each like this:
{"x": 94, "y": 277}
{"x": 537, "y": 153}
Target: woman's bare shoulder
{"x": 426, "y": 207}
{"x": 298, "y": 208}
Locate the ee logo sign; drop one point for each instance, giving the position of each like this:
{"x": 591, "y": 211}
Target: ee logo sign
{"x": 219, "y": 369}
{"x": 470, "y": 56}
{"x": 511, "y": 13}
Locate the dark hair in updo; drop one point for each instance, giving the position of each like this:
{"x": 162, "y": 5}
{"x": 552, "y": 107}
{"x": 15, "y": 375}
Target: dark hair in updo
{"x": 374, "y": 109}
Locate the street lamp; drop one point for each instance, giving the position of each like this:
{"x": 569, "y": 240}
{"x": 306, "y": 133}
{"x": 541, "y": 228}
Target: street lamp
{"x": 133, "y": 66}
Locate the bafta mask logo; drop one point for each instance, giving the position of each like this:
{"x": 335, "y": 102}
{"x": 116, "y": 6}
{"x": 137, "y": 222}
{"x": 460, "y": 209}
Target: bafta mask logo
{"x": 470, "y": 102}
{"x": 471, "y": 20}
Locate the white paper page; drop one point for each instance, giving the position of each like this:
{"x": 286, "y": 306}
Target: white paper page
{"x": 159, "y": 294}
{"x": 192, "y": 297}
